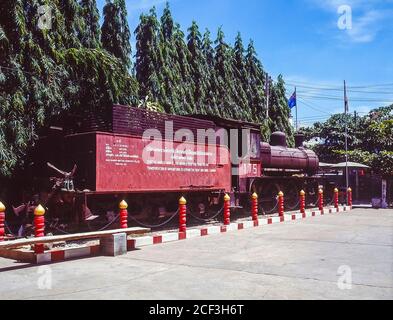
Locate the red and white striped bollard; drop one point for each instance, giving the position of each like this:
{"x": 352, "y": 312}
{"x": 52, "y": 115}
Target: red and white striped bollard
{"x": 254, "y": 207}
{"x": 349, "y": 192}
{"x": 336, "y": 198}
{"x": 123, "y": 206}
{"x": 227, "y": 210}
{"x": 39, "y": 225}
{"x": 281, "y": 207}
{"x": 182, "y": 215}
{"x": 2, "y": 221}
{"x": 320, "y": 200}
{"x": 302, "y": 202}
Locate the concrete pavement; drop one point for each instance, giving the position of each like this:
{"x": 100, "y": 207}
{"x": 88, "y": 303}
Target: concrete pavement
{"x": 341, "y": 256}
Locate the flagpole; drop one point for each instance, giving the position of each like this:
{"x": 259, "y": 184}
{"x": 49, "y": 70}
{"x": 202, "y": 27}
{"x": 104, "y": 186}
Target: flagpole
{"x": 267, "y": 97}
{"x": 297, "y": 123}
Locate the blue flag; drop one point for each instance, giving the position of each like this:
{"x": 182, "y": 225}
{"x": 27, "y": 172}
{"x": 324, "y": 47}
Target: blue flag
{"x": 292, "y": 101}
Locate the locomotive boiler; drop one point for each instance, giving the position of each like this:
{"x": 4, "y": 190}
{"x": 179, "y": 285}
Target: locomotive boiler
{"x": 110, "y": 151}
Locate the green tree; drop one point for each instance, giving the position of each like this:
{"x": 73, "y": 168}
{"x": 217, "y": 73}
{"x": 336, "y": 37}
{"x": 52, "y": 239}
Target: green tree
{"x": 73, "y": 21}
{"x": 91, "y": 32}
{"x": 370, "y": 139}
{"x": 147, "y": 56}
{"x": 116, "y": 34}
{"x": 225, "y": 78}
{"x": 211, "y": 99}
{"x": 280, "y": 112}
{"x": 31, "y": 83}
{"x": 186, "y": 86}
{"x": 199, "y": 69}
{"x": 168, "y": 69}
{"x": 241, "y": 80}
{"x": 45, "y": 73}
{"x": 256, "y": 84}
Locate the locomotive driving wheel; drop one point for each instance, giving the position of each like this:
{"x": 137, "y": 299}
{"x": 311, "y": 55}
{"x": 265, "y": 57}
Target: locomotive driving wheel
{"x": 312, "y": 194}
{"x": 267, "y": 196}
{"x": 291, "y": 194}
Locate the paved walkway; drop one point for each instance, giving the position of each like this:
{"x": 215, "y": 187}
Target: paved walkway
{"x": 314, "y": 258}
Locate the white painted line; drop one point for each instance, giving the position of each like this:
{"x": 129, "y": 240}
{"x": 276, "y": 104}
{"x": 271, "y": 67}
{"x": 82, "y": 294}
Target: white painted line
{"x": 248, "y": 224}
{"x": 76, "y": 253}
{"x": 276, "y": 220}
{"x": 262, "y": 222}
{"x": 308, "y": 214}
{"x": 299, "y": 216}
{"x": 213, "y": 230}
{"x": 193, "y": 233}
{"x": 144, "y": 241}
{"x": 232, "y": 227}
{"x": 43, "y": 258}
{"x": 170, "y": 237}
{"x": 287, "y": 218}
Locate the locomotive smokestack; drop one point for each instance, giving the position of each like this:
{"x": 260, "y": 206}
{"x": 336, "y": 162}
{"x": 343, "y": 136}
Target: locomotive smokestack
{"x": 299, "y": 140}
{"x": 278, "y": 139}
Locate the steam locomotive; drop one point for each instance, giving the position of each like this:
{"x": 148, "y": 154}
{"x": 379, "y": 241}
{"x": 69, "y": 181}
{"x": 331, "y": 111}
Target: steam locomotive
{"x": 113, "y": 156}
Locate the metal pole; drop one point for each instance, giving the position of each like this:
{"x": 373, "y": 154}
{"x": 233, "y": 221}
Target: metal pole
{"x": 267, "y": 96}
{"x": 346, "y": 134}
{"x": 297, "y": 123}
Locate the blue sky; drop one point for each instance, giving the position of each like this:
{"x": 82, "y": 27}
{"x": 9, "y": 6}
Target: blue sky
{"x": 301, "y": 40}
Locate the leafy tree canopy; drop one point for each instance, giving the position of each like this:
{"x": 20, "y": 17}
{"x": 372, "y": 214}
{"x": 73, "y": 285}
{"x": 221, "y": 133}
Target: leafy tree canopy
{"x": 370, "y": 139}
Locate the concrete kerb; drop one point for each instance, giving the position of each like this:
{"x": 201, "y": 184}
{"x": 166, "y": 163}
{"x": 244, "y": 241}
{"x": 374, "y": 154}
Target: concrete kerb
{"x": 135, "y": 243}
{"x": 145, "y": 241}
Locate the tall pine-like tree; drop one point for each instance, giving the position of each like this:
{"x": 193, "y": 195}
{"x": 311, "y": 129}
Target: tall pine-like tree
{"x": 224, "y": 72}
{"x": 199, "y": 68}
{"x": 241, "y": 80}
{"x": 186, "y": 84}
{"x": 211, "y": 99}
{"x": 256, "y": 83}
{"x": 91, "y": 32}
{"x": 115, "y": 31}
{"x": 280, "y": 111}
{"x": 168, "y": 69}
{"x": 148, "y": 56}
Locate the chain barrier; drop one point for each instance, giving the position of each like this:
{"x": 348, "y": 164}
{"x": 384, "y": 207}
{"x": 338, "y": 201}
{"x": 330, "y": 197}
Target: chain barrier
{"x": 271, "y": 210}
{"x": 154, "y": 226}
{"x": 9, "y": 230}
{"x": 56, "y": 228}
{"x": 296, "y": 206}
{"x": 330, "y": 203}
{"x": 110, "y": 223}
{"x": 314, "y": 204}
{"x": 207, "y": 219}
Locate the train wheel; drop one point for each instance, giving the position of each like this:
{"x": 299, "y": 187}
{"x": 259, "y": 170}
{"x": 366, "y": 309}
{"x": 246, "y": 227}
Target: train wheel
{"x": 312, "y": 194}
{"x": 291, "y": 192}
{"x": 268, "y": 197}
{"x": 328, "y": 195}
